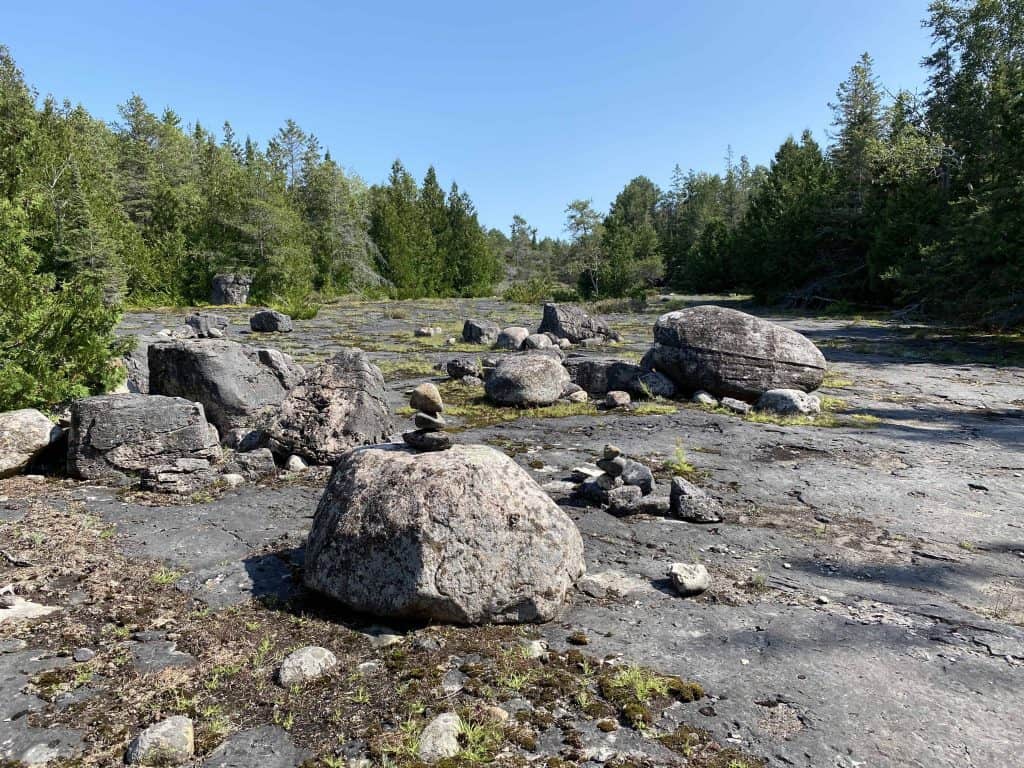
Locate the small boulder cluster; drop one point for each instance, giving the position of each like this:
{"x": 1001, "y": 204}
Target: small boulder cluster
{"x": 561, "y": 327}
{"x": 429, "y": 434}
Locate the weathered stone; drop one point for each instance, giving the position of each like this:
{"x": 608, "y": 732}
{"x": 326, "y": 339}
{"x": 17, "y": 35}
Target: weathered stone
{"x": 305, "y": 664}
{"x": 136, "y": 363}
{"x": 512, "y": 338}
{"x": 232, "y": 479}
{"x": 234, "y": 382}
{"x": 427, "y": 440}
{"x": 789, "y": 402}
{"x": 288, "y": 372}
{"x": 572, "y": 323}
{"x": 471, "y": 381}
{"x": 24, "y": 434}
{"x": 624, "y": 499}
{"x": 617, "y": 399}
{"x": 204, "y": 323}
{"x": 736, "y": 406}
{"x": 635, "y": 473}
{"x": 230, "y": 289}
{"x": 252, "y": 465}
{"x": 610, "y": 451}
{"x": 731, "y": 353}
{"x": 463, "y": 536}
{"x": 702, "y": 397}
{"x": 440, "y": 739}
{"x": 426, "y": 398}
{"x": 613, "y": 466}
{"x": 426, "y": 332}
{"x": 184, "y": 331}
{"x": 338, "y": 404}
{"x": 599, "y": 375}
{"x": 167, "y": 743}
{"x": 527, "y": 379}
{"x": 113, "y": 438}
{"x": 689, "y": 579}
{"x": 428, "y": 421}
{"x": 295, "y": 464}
{"x": 578, "y": 397}
{"x": 182, "y": 476}
{"x": 480, "y": 332}
{"x": 270, "y": 321}
{"x": 537, "y": 341}
{"x": 460, "y": 367}
{"x": 267, "y": 746}
{"x": 688, "y": 502}
{"x": 654, "y": 504}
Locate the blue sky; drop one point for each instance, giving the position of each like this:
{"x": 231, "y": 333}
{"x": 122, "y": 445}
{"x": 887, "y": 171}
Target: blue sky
{"x": 528, "y": 105}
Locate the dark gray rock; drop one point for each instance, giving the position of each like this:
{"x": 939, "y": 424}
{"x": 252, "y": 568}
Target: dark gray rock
{"x": 480, "y": 332}
{"x": 624, "y": 500}
{"x": 266, "y": 746}
{"x": 693, "y": 504}
{"x": 234, "y": 382}
{"x": 613, "y": 466}
{"x": 598, "y": 376}
{"x": 463, "y": 535}
{"x": 572, "y": 323}
{"x": 230, "y": 289}
{"x": 428, "y": 440}
{"x": 736, "y": 406}
{"x": 136, "y": 363}
{"x": 511, "y": 338}
{"x": 338, "y": 405}
{"x": 114, "y": 438}
{"x": 639, "y": 475}
{"x": 460, "y": 367}
{"x": 252, "y": 465}
{"x": 270, "y": 321}
{"x": 731, "y": 353}
{"x": 207, "y": 324}
{"x": 527, "y": 379}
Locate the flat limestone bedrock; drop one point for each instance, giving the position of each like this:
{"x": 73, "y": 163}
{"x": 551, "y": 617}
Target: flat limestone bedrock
{"x": 338, "y": 405}
{"x": 113, "y": 438}
{"x": 233, "y": 381}
{"x": 732, "y": 354}
{"x": 464, "y": 536}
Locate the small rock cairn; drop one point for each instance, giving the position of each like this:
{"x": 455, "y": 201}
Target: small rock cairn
{"x": 429, "y": 434}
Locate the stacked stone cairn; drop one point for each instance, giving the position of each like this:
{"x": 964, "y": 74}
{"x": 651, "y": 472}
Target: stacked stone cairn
{"x": 429, "y": 434}
{"x": 624, "y": 485}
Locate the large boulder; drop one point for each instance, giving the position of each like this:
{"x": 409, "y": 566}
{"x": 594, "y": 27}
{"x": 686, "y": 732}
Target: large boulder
{"x": 233, "y": 381}
{"x": 24, "y": 435}
{"x": 572, "y": 323}
{"x": 116, "y": 438}
{"x": 463, "y": 535}
{"x": 527, "y": 379}
{"x": 230, "y": 289}
{"x": 599, "y": 376}
{"x": 480, "y": 332}
{"x": 730, "y": 353}
{"x": 338, "y": 405}
{"x": 136, "y": 363}
{"x": 270, "y": 321}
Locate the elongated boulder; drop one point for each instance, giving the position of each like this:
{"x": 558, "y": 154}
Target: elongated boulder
{"x": 732, "y": 354}
{"x": 527, "y": 379}
{"x": 24, "y": 435}
{"x": 463, "y": 536}
{"x": 567, "y": 322}
{"x": 234, "y": 382}
{"x": 116, "y": 438}
{"x": 336, "y": 406}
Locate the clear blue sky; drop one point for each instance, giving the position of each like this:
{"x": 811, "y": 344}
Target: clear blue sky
{"x": 527, "y": 105}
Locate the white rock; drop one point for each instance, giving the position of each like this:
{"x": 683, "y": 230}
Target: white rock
{"x": 169, "y": 742}
{"x": 23, "y": 434}
{"x": 440, "y": 739}
{"x": 295, "y": 464}
{"x": 689, "y": 579}
{"x": 702, "y": 397}
{"x": 306, "y": 664}
{"x": 233, "y": 480}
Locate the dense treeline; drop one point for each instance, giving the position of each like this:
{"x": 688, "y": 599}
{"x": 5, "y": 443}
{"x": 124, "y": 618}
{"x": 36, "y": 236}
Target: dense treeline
{"x": 917, "y": 200}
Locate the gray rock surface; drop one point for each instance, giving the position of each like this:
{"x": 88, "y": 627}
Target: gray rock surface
{"x": 731, "y": 353}
{"x": 230, "y": 289}
{"x": 789, "y": 402}
{"x": 24, "y": 434}
{"x": 480, "y": 332}
{"x": 337, "y": 405}
{"x": 113, "y": 438}
{"x": 266, "y": 746}
{"x": 527, "y": 379}
{"x": 463, "y": 535}
{"x": 181, "y": 476}
{"x": 270, "y": 321}
{"x": 207, "y": 324}
{"x": 572, "y": 323}
{"x": 537, "y": 341}
{"x": 136, "y": 363}
{"x": 234, "y": 382}
{"x": 511, "y": 338}
{"x": 167, "y": 743}
{"x": 252, "y": 465}
{"x": 736, "y": 406}
{"x": 306, "y": 664}
{"x": 440, "y": 738}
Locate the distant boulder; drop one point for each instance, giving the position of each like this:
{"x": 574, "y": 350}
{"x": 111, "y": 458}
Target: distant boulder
{"x": 730, "y": 353}
{"x": 207, "y": 325}
{"x": 527, "y": 379}
{"x": 230, "y": 289}
{"x": 572, "y": 323}
{"x": 480, "y": 332}
{"x": 511, "y": 338}
{"x": 270, "y": 321}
